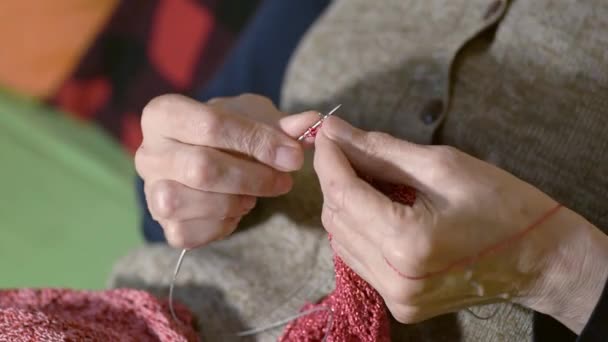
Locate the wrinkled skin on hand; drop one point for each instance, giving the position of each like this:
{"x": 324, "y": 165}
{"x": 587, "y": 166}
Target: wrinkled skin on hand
{"x": 205, "y": 164}
{"x": 463, "y": 205}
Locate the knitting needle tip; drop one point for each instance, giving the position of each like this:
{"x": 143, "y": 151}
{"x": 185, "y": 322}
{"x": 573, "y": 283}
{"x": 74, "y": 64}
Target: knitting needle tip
{"x": 307, "y": 133}
{"x": 331, "y": 112}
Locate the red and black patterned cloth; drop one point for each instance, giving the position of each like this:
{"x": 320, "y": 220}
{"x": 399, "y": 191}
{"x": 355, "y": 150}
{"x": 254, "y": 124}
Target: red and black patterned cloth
{"x": 149, "y": 48}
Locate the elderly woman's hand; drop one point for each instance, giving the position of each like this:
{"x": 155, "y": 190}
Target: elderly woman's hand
{"x": 204, "y": 164}
{"x": 464, "y": 241}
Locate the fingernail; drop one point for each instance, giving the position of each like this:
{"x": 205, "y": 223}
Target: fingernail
{"x": 287, "y": 158}
{"x": 338, "y": 129}
{"x": 248, "y": 202}
{"x": 282, "y": 183}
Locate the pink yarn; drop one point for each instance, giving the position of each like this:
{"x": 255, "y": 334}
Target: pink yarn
{"x": 68, "y": 315}
{"x": 358, "y": 312}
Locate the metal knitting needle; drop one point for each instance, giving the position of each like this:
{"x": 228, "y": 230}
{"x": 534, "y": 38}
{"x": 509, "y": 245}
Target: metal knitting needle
{"x": 287, "y": 320}
{"x": 178, "y": 266}
{"x": 172, "y": 285}
{"x": 318, "y": 123}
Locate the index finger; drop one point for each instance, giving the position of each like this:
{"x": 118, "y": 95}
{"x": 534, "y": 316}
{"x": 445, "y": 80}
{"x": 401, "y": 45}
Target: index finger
{"x": 382, "y": 156}
{"x": 188, "y": 121}
{"x": 347, "y": 194}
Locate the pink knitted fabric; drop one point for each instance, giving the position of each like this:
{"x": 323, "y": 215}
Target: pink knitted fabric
{"x": 358, "y": 313}
{"x": 68, "y": 315}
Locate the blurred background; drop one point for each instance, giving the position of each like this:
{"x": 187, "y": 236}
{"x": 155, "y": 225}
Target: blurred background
{"x": 74, "y": 77}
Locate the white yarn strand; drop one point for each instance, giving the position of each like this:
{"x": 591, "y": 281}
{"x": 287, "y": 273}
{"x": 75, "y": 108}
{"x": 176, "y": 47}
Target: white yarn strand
{"x": 287, "y": 320}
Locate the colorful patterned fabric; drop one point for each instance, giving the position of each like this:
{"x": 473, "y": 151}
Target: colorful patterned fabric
{"x": 42, "y": 41}
{"x": 149, "y": 48}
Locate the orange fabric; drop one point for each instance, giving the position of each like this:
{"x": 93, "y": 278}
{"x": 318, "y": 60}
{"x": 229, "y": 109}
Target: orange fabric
{"x": 42, "y": 41}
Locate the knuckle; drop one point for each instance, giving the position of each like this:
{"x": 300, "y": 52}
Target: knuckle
{"x": 161, "y": 110}
{"x": 442, "y": 160}
{"x": 376, "y": 141}
{"x": 156, "y": 109}
{"x": 140, "y": 162}
{"x": 262, "y": 146}
{"x": 378, "y": 138}
{"x": 200, "y": 171}
{"x": 397, "y": 255}
{"x": 257, "y": 142}
{"x": 216, "y": 100}
{"x": 406, "y": 314}
{"x": 393, "y": 292}
{"x": 445, "y": 155}
{"x": 249, "y": 97}
{"x": 335, "y": 195}
{"x": 398, "y": 292}
{"x": 176, "y": 237}
{"x": 423, "y": 249}
{"x": 210, "y": 122}
{"x": 401, "y": 216}
{"x": 328, "y": 218}
{"x": 417, "y": 254}
{"x": 164, "y": 202}
{"x": 254, "y": 98}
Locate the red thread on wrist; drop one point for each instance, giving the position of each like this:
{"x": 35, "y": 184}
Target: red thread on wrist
{"x": 484, "y": 252}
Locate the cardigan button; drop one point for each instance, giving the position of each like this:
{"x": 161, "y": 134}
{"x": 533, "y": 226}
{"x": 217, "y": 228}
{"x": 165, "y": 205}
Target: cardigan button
{"x": 431, "y": 112}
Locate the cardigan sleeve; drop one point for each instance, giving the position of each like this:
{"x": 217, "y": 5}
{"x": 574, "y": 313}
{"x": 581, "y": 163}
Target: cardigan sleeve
{"x": 546, "y": 328}
{"x": 596, "y": 328}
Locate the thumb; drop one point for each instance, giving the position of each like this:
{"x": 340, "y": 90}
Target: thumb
{"x": 296, "y": 124}
{"x": 380, "y": 155}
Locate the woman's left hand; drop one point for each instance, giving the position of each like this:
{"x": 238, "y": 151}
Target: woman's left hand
{"x": 464, "y": 240}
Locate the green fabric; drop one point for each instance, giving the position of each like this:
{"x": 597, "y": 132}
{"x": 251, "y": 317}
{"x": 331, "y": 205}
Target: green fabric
{"x": 67, "y": 206}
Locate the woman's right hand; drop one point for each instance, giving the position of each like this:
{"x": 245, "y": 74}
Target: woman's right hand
{"x": 204, "y": 164}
